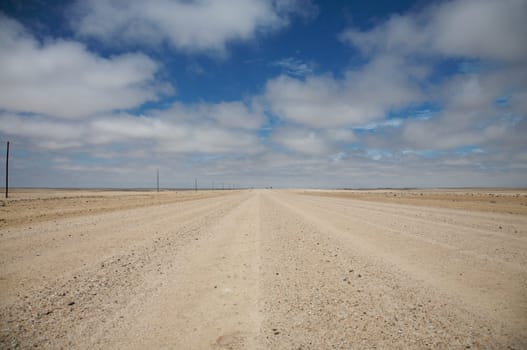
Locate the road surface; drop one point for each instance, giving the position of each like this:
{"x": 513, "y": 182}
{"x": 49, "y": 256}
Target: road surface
{"x": 264, "y": 269}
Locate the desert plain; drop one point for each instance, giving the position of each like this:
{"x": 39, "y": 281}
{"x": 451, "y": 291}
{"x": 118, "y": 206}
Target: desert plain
{"x": 264, "y": 269}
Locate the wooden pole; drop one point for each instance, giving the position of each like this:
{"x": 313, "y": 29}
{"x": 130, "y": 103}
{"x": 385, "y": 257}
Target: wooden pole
{"x": 7, "y": 172}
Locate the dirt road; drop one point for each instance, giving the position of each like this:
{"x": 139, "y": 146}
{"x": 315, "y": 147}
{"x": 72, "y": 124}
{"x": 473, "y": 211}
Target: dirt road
{"x": 262, "y": 269}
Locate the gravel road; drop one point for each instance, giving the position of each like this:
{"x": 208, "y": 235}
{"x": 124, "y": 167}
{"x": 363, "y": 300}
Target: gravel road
{"x": 262, "y": 269}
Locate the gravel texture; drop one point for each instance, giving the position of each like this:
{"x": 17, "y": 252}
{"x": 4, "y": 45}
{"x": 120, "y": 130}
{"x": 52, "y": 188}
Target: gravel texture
{"x": 261, "y": 269}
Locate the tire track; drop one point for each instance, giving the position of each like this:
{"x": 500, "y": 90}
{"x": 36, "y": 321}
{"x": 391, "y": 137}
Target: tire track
{"x": 466, "y": 238}
{"x": 323, "y": 290}
{"x": 476, "y": 282}
{"x": 208, "y": 300}
{"x": 74, "y": 307}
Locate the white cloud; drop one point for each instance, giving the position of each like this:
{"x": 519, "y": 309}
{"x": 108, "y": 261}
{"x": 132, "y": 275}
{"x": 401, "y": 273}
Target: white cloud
{"x": 67, "y": 96}
{"x": 482, "y": 29}
{"x": 211, "y": 141}
{"x": 35, "y": 127}
{"x": 488, "y": 29}
{"x": 205, "y": 25}
{"x": 470, "y": 115}
{"x": 491, "y": 35}
{"x": 232, "y": 114}
{"x": 467, "y": 110}
{"x": 439, "y": 135}
{"x": 58, "y": 96}
{"x": 381, "y": 124}
{"x": 294, "y": 67}
{"x": 317, "y": 142}
{"x": 45, "y": 133}
{"x": 303, "y": 8}
{"x": 303, "y": 141}
{"x": 172, "y": 136}
{"x": 362, "y": 96}
{"x": 63, "y": 79}
{"x": 223, "y": 128}
{"x": 340, "y": 135}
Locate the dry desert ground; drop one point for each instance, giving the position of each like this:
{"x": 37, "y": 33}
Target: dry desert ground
{"x": 264, "y": 269}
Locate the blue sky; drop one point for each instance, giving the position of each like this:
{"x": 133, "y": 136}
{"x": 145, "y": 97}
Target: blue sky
{"x": 283, "y": 93}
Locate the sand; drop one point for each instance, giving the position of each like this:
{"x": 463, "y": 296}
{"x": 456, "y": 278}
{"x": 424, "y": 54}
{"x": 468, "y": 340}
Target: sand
{"x": 264, "y": 269}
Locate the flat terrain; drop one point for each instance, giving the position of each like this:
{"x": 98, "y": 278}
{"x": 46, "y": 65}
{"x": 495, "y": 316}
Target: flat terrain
{"x": 264, "y": 269}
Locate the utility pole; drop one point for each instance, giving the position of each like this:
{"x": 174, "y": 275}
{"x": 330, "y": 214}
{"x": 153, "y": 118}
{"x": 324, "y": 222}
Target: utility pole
{"x": 7, "y": 172}
{"x": 157, "y": 179}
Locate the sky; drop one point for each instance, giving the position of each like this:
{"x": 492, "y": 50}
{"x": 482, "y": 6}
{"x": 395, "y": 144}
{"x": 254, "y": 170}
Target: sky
{"x": 254, "y": 93}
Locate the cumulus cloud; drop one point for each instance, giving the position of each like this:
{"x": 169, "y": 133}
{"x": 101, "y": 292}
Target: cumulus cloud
{"x": 482, "y": 29}
{"x": 63, "y": 79}
{"x": 222, "y": 128}
{"x": 62, "y": 100}
{"x": 45, "y": 133}
{"x": 311, "y": 142}
{"x": 470, "y": 116}
{"x": 231, "y": 114}
{"x": 193, "y": 26}
{"x": 303, "y": 141}
{"x": 469, "y": 131}
{"x": 419, "y": 135}
{"x": 489, "y": 34}
{"x": 59, "y": 98}
{"x": 362, "y": 96}
{"x": 57, "y": 95}
{"x": 167, "y": 136}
